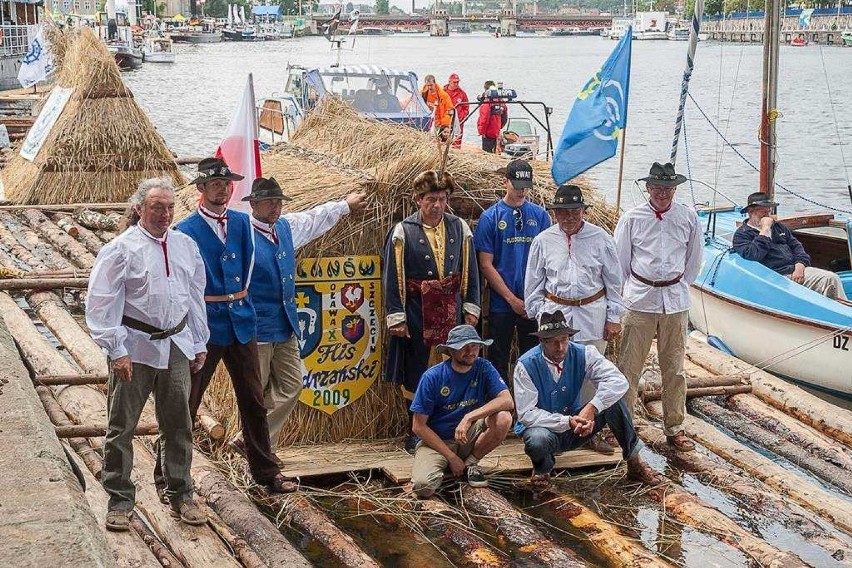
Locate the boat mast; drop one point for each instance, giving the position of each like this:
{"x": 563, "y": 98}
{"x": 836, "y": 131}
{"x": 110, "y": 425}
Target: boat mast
{"x": 769, "y": 112}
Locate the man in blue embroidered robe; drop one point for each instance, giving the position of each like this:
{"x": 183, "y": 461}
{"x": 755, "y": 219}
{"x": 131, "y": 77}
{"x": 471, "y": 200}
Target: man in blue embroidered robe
{"x": 551, "y": 417}
{"x": 273, "y": 289}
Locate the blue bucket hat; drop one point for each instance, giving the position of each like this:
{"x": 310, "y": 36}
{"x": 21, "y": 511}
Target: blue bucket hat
{"x": 460, "y": 336}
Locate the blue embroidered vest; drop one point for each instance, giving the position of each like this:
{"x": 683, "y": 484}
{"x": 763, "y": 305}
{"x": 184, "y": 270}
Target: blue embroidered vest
{"x": 562, "y": 396}
{"x": 273, "y": 287}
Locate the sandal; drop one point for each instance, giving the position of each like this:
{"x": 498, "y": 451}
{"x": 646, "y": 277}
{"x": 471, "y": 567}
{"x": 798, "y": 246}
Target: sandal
{"x": 280, "y": 484}
{"x": 118, "y": 520}
{"x": 638, "y": 470}
{"x": 540, "y": 482}
{"x": 681, "y": 443}
{"x": 161, "y": 494}
{"x": 188, "y": 512}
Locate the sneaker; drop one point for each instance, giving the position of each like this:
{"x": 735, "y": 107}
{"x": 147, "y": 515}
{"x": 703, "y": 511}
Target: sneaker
{"x": 411, "y": 444}
{"x": 475, "y": 477}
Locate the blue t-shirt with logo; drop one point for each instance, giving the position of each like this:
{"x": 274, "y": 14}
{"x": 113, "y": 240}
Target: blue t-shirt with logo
{"x": 508, "y": 236}
{"x": 445, "y": 395}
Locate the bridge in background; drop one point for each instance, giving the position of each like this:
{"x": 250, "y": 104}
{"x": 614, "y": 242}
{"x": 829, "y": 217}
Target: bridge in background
{"x": 507, "y": 20}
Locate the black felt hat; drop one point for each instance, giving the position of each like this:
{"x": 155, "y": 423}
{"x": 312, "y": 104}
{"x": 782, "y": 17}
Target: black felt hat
{"x": 758, "y": 199}
{"x": 664, "y": 174}
{"x": 568, "y": 197}
{"x": 214, "y": 168}
{"x": 553, "y": 325}
{"x": 263, "y": 189}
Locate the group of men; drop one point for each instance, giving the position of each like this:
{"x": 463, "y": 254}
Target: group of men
{"x": 565, "y": 290}
{"x": 168, "y": 304}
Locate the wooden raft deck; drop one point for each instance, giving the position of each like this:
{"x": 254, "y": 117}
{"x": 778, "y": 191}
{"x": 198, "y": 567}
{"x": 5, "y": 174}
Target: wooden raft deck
{"x": 386, "y": 456}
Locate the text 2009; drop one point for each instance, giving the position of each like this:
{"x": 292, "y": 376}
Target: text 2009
{"x": 331, "y": 397}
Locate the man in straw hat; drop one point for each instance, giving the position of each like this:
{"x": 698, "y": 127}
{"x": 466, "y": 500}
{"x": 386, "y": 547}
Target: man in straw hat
{"x": 659, "y": 250}
{"x": 430, "y": 282}
{"x": 462, "y": 412}
{"x": 226, "y": 241}
{"x": 145, "y": 307}
{"x": 551, "y": 415}
{"x": 764, "y": 239}
{"x": 502, "y": 240}
{"x": 273, "y": 290}
{"x": 573, "y": 268}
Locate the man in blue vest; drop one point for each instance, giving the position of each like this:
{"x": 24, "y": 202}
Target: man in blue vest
{"x": 226, "y": 242}
{"x": 273, "y": 289}
{"x": 551, "y": 418}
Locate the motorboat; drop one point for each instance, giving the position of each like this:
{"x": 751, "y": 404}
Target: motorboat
{"x": 126, "y": 57}
{"x": 158, "y": 50}
{"x": 846, "y": 36}
{"x": 242, "y": 33}
{"x": 519, "y": 139}
{"x": 678, "y": 34}
{"x": 799, "y": 41}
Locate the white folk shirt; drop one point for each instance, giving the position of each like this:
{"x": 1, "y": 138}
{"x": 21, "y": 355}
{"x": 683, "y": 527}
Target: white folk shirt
{"x": 218, "y": 222}
{"x": 130, "y": 278}
{"x": 658, "y": 250}
{"x": 307, "y": 225}
{"x": 610, "y": 385}
{"x": 574, "y": 272}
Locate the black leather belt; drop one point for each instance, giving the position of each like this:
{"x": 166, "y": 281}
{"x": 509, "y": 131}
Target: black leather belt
{"x": 657, "y": 283}
{"x": 155, "y": 332}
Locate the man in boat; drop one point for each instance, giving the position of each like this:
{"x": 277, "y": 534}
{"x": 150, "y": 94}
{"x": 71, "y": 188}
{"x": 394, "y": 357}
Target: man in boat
{"x": 430, "y": 283}
{"x": 460, "y": 104}
{"x": 439, "y": 102}
{"x": 551, "y": 415}
{"x": 502, "y": 240}
{"x": 462, "y": 412}
{"x": 226, "y": 241}
{"x": 145, "y": 307}
{"x": 573, "y": 268}
{"x": 659, "y": 246}
{"x": 764, "y": 239}
{"x": 493, "y": 115}
{"x": 273, "y": 288}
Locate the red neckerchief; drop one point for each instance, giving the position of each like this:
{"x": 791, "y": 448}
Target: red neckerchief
{"x": 568, "y": 237}
{"x": 270, "y": 232}
{"x": 659, "y": 213}
{"x": 163, "y": 244}
{"x": 218, "y": 218}
{"x": 557, "y": 365}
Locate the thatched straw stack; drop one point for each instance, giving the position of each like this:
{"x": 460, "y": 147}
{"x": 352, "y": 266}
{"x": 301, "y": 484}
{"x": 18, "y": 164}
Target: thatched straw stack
{"x": 103, "y": 143}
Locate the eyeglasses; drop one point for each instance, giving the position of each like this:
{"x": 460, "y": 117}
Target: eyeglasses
{"x": 519, "y": 219}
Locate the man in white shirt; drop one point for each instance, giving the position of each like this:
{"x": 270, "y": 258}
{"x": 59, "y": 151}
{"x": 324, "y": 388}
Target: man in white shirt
{"x": 659, "y": 247}
{"x": 552, "y": 418}
{"x": 145, "y": 307}
{"x": 573, "y": 268}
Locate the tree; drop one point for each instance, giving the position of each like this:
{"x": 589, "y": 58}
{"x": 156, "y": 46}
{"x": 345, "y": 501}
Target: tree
{"x": 382, "y": 7}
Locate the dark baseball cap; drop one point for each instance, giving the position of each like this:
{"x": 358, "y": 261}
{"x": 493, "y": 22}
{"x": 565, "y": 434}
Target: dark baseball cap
{"x": 520, "y": 173}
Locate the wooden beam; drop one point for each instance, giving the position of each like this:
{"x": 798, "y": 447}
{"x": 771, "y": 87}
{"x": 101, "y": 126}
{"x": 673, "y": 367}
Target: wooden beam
{"x": 652, "y": 395}
{"x": 54, "y": 380}
{"x": 84, "y": 431}
{"x": 54, "y": 313}
{"x": 68, "y": 207}
{"x": 43, "y": 283}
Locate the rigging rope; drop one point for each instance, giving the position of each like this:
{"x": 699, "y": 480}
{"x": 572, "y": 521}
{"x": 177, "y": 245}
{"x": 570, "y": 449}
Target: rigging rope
{"x": 834, "y": 116}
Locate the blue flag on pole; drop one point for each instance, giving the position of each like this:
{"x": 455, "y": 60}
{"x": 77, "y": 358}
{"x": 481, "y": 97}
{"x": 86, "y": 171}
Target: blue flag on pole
{"x": 597, "y": 118}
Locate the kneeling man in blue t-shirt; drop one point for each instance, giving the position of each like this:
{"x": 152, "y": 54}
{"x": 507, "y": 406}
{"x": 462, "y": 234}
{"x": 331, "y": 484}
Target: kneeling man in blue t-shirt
{"x": 462, "y": 411}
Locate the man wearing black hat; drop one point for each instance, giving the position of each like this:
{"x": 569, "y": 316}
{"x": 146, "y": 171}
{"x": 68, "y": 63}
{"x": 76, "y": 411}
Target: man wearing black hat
{"x": 551, "y": 415}
{"x": 430, "y": 282}
{"x": 226, "y": 242}
{"x": 659, "y": 246}
{"x": 273, "y": 289}
{"x": 771, "y": 243}
{"x": 502, "y": 240}
{"x": 462, "y": 412}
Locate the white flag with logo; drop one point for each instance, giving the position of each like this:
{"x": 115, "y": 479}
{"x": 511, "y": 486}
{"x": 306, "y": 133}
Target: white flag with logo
{"x": 37, "y": 64}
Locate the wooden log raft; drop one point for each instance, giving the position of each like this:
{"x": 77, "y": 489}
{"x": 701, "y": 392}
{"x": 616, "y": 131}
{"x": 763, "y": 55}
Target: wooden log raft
{"x": 756, "y": 496}
{"x": 19, "y": 251}
{"x": 829, "y": 472}
{"x": 89, "y": 239}
{"x": 813, "y": 411}
{"x": 510, "y": 524}
{"x": 33, "y": 242}
{"x": 834, "y": 509}
{"x": 59, "y": 239}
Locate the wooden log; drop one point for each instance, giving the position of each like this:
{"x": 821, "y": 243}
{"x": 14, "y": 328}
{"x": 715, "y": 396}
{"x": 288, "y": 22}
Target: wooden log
{"x": 826, "y": 471}
{"x": 33, "y": 242}
{"x": 309, "y": 520}
{"x": 792, "y": 430}
{"x": 612, "y": 546}
{"x": 19, "y": 251}
{"x": 651, "y": 395}
{"x": 61, "y": 241}
{"x": 52, "y": 311}
{"x": 57, "y": 416}
{"x": 813, "y": 411}
{"x": 56, "y": 380}
{"x": 755, "y": 496}
{"x": 95, "y": 220}
{"x": 88, "y": 431}
{"x": 242, "y": 516}
{"x": 69, "y": 207}
{"x": 107, "y": 236}
{"x": 512, "y": 526}
{"x": 68, "y": 225}
{"x": 128, "y": 549}
{"x": 811, "y": 497}
{"x": 43, "y": 283}
{"x": 155, "y": 545}
{"x": 89, "y": 239}
{"x": 240, "y": 548}
{"x": 209, "y": 423}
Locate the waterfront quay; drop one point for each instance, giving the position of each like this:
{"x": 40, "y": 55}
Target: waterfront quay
{"x": 742, "y": 27}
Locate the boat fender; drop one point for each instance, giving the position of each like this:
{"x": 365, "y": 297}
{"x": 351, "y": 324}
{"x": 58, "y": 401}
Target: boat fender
{"x": 714, "y": 341}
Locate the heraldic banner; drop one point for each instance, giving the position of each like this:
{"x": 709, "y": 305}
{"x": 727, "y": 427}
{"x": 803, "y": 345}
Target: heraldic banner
{"x": 339, "y": 306}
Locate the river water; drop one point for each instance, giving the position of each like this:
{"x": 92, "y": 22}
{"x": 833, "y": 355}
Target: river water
{"x": 191, "y": 101}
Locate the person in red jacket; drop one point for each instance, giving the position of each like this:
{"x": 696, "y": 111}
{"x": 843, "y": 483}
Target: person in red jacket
{"x": 460, "y": 102}
{"x": 493, "y": 115}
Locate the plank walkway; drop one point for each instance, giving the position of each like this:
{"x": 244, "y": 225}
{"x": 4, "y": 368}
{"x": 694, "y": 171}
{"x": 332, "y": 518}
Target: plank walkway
{"x": 388, "y": 457}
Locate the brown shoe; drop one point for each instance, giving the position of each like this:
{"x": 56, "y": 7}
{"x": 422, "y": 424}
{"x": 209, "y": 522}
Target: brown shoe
{"x": 189, "y": 513}
{"x": 680, "y": 442}
{"x": 638, "y": 470}
{"x": 540, "y": 482}
{"x": 280, "y": 484}
{"x": 238, "y": 446}
{"x": 161, "y": 494}
{"x": 599, "y": 444}
{"x": 118, "y": 520}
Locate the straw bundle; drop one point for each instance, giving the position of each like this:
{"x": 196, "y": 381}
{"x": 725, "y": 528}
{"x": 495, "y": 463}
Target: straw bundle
{"x": 101, "y": 146}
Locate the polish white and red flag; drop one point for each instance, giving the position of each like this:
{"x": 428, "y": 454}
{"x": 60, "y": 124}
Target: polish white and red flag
{"x": 240, "y": 148}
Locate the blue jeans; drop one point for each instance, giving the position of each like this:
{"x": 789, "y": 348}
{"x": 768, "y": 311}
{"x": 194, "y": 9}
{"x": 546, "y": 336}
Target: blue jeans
{"x": 542, "y": 444}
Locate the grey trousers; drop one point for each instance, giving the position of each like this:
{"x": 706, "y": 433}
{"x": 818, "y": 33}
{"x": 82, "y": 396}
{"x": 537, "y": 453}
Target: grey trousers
{"x": 124, "y": 406}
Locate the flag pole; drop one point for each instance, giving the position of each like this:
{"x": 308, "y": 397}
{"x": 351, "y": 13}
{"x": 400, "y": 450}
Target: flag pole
{"x": 620, "y": 171}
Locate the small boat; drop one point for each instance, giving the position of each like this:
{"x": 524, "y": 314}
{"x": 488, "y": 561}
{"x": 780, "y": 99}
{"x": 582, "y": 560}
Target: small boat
{"x": 649, "y": 26}
{"x": 204, "y": 33}
{"x": 374, "y": 31}
{"x": 126, "y": 57}
{"x": 846, "y": 36}
{"x": 158, "y": 50}
{"x": 243, "y": 33}
{"x": 678, "y": 34}
{"x": 799, "y": 41}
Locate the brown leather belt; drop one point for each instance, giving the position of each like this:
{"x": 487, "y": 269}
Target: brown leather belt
{"x": 155, "y": 332}
{"x": 581, "y": 302}
{"x": 657, "y": 283}
{"x": 228, "y": 297}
